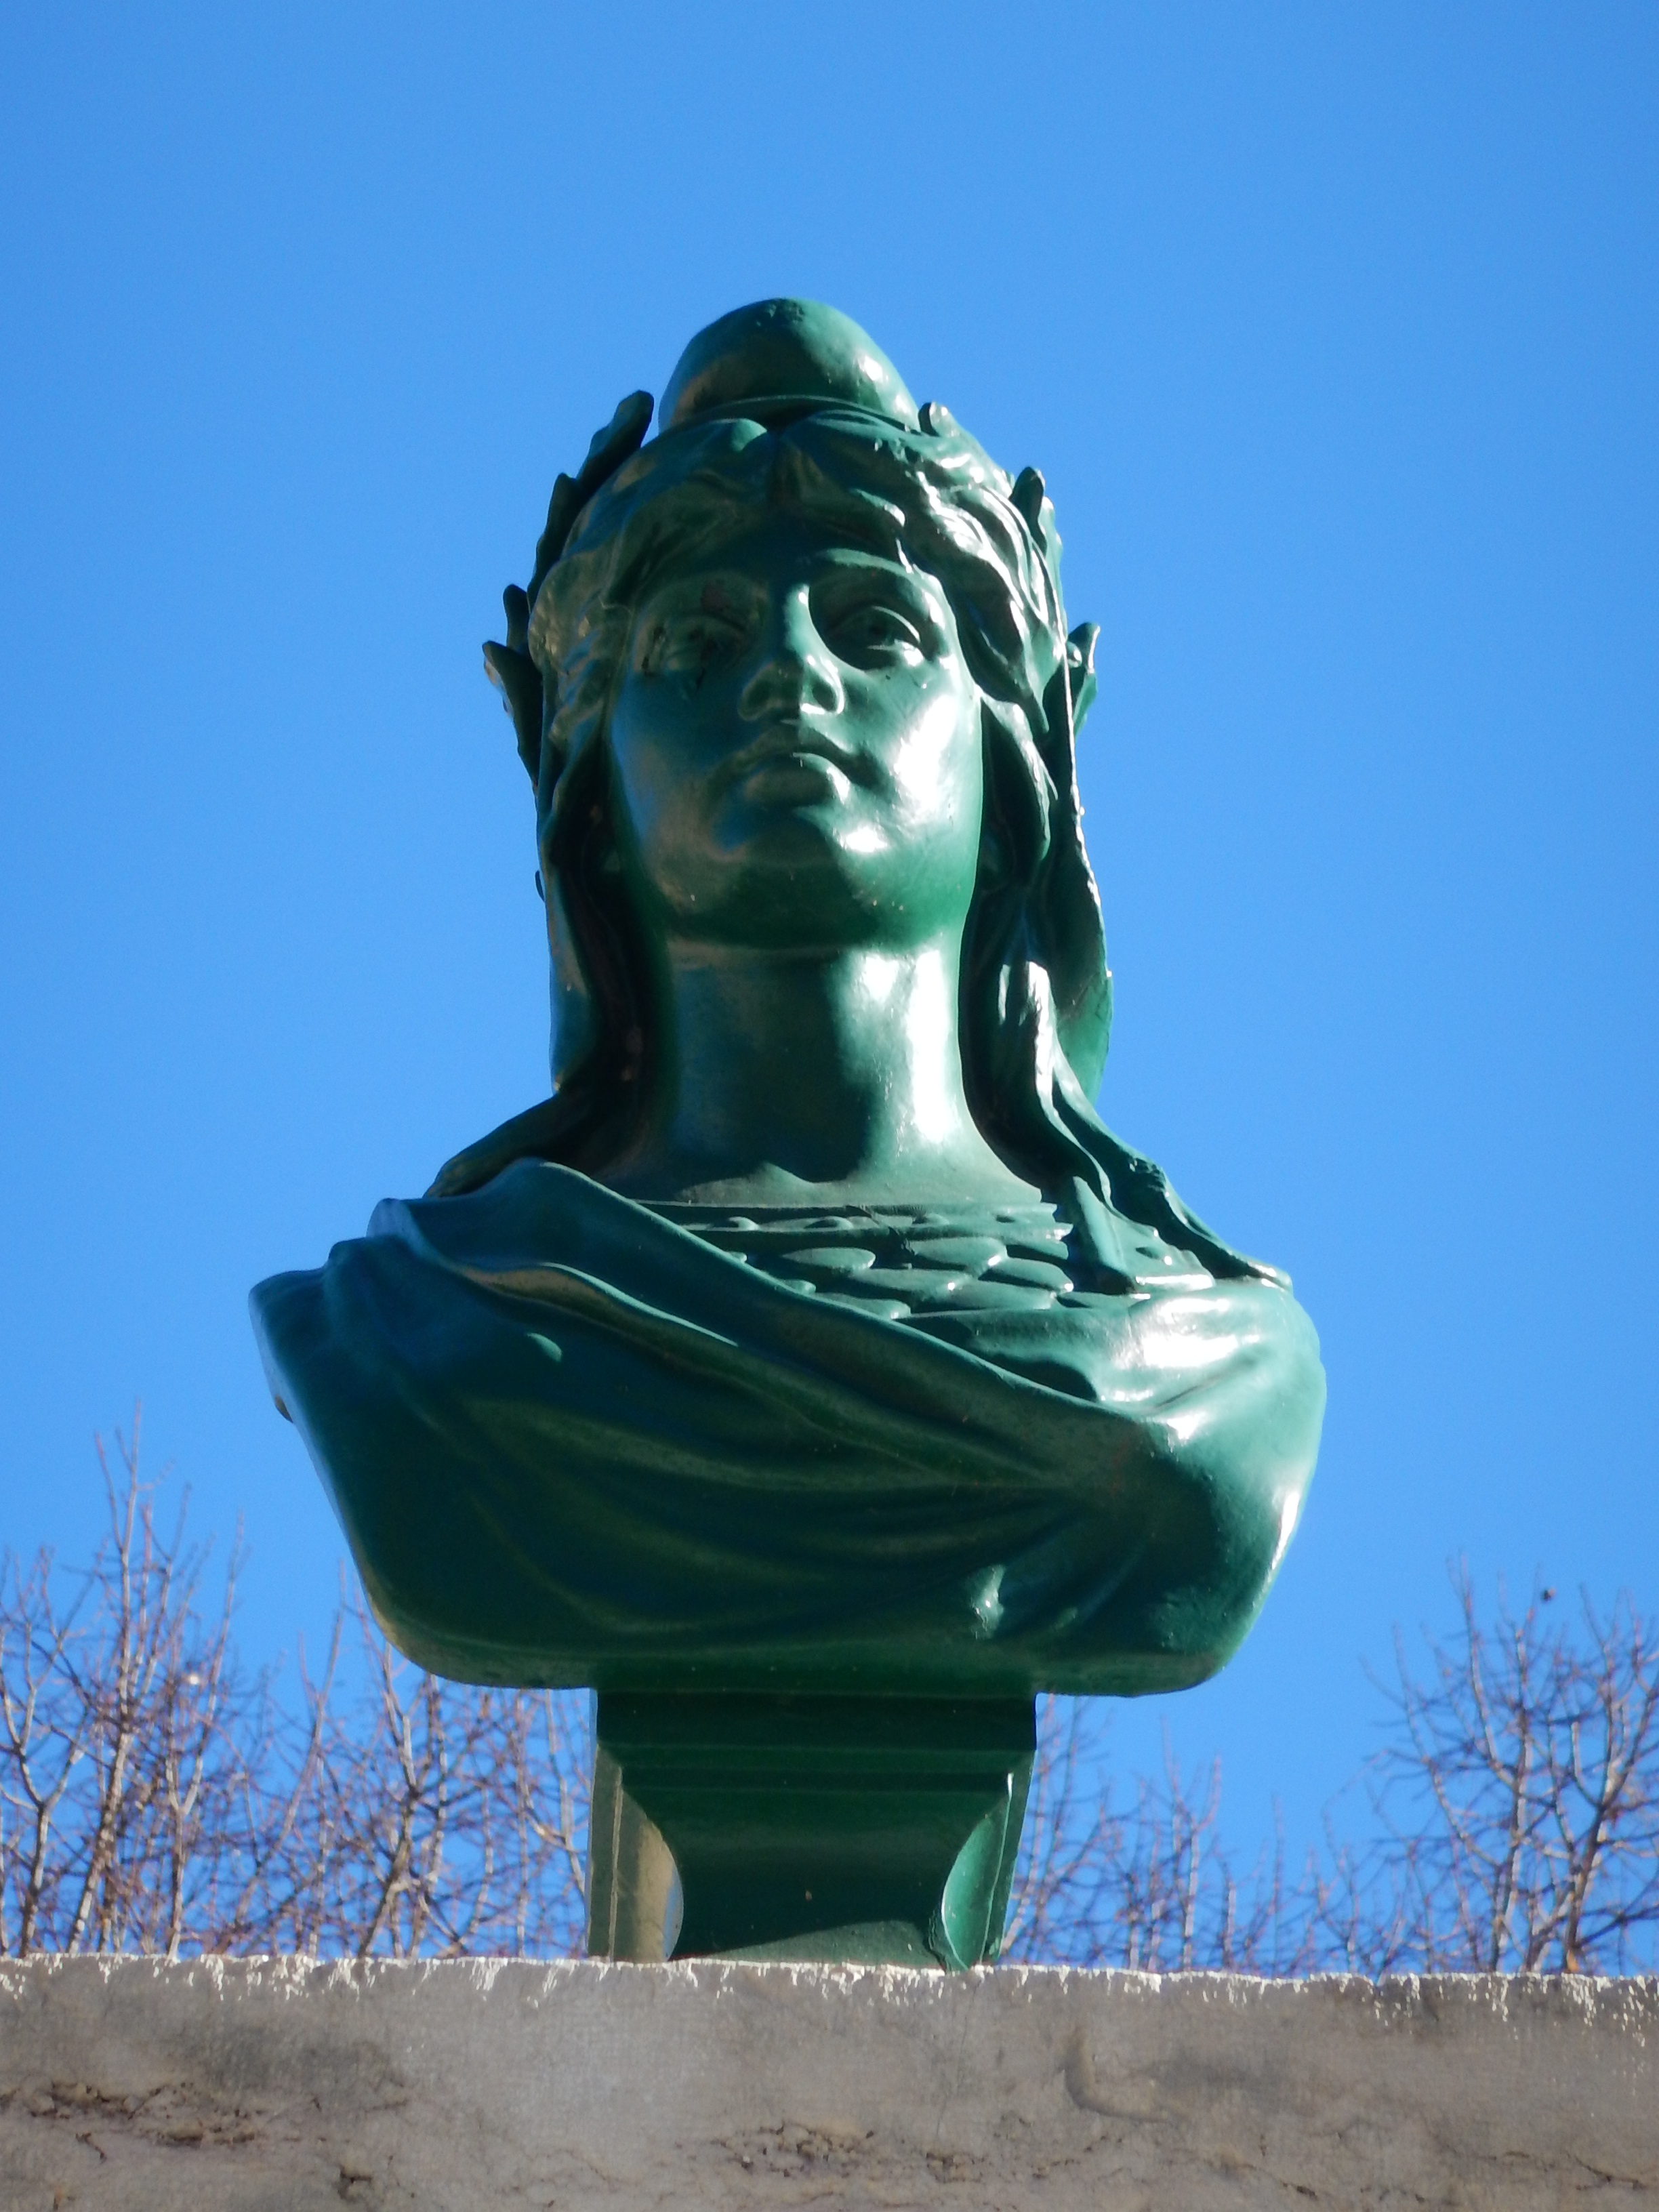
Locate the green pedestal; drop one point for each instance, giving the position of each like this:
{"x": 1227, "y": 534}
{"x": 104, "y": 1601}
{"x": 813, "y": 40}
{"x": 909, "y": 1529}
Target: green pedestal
{"x": 857, "y": 1828}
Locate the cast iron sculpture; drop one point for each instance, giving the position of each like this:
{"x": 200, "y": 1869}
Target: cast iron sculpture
{"x": 812, "y": 1374}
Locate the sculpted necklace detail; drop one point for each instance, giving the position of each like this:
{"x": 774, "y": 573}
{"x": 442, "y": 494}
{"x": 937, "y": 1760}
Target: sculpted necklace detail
{"x": 899, "y": 1264}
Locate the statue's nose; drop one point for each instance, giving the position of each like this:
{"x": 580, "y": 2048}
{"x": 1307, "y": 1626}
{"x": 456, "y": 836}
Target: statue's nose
{"x": 796, "y": 671}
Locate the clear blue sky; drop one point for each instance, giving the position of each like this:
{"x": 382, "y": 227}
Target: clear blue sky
{"x": 1333, "y": 330}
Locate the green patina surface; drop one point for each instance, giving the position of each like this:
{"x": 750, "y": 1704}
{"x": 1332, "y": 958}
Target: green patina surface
{"x": 812, "y": 1374}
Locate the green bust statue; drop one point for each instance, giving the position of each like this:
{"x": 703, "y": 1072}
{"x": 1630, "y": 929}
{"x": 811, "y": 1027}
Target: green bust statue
{"x": 814, "y": 1341}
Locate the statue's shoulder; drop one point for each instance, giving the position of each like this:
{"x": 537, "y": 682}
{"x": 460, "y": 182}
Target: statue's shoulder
{"x": 532, "y": 1212}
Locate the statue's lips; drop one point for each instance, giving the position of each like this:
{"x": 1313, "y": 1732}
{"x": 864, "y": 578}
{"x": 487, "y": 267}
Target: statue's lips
{"x": 791, "y": 759}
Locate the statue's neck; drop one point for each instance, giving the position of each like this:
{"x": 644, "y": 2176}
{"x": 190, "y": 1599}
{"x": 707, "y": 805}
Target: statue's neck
{"x": 800, "y": 1075}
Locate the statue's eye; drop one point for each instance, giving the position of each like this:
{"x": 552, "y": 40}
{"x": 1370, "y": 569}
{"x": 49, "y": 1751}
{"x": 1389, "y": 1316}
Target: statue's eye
{"x": 691, "y": 645}
{"x": 875, "y": 631}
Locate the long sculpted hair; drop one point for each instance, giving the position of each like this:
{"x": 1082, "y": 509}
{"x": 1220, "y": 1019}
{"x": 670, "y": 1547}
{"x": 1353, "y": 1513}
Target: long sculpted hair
{"x": 1035, "y": 993}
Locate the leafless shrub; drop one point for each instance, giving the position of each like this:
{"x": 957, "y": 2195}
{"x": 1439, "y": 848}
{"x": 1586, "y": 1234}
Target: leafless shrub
{"x": 1148, "y": 1883}
{"x": 441, "y": 1819}
{"x": 1518, "y": 1796}
{"x": 155, "y": 1797}
{"x": 1514, "y": 1826}
{"x": 121, "y": 1717}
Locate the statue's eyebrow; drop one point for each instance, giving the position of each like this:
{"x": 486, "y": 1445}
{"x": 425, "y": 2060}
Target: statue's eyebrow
{"x": 694, "y": 594}
{"x": 875, "y": 571}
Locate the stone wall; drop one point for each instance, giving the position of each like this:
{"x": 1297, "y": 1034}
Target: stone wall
{"x": 467, "y": 2085}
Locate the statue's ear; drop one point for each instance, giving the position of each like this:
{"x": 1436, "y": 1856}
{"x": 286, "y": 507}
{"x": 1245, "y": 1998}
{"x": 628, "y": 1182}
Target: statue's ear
{"x": 518, "y": 679}
{"x": 1080, "y": 668}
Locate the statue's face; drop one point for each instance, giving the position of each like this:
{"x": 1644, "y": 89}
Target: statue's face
{"x": 796, "y": 746}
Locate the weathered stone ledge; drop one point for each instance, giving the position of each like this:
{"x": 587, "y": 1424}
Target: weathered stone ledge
{"x": 462, "y": 2087}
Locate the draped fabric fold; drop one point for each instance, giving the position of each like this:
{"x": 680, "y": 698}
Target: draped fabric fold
{"x": 570, "y": 1441}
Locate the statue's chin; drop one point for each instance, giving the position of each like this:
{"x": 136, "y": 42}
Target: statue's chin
{"x": 789, "y": 884}
{"x": 820, "y": 871}
{"x": 788, "y": 805}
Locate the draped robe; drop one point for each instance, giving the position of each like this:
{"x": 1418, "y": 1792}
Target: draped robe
{"x": 572, "y": 1442}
